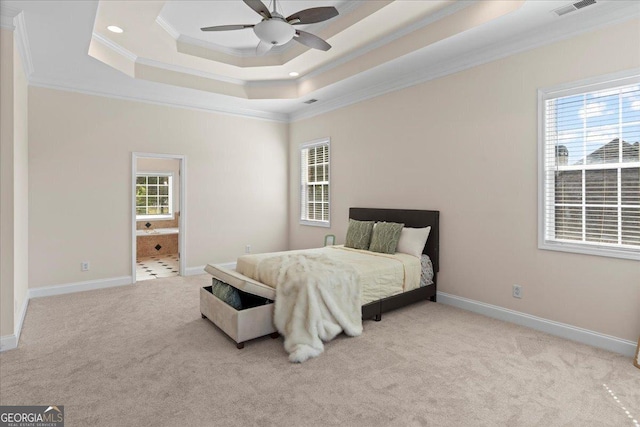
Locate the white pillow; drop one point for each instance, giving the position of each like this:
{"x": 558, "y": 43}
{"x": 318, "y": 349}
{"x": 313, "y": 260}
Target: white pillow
{"x": 412, "y": 240}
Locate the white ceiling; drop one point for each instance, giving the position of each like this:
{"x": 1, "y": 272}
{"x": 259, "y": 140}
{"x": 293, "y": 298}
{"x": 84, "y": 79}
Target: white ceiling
{"x": 187, "y": 17}
{"x": 378, "y": 46}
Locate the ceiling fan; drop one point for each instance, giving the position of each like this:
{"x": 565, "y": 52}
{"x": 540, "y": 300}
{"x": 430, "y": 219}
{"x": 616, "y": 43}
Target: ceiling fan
{"x": 276, "y": 30}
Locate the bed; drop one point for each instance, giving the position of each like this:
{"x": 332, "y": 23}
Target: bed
{"x": 257, "y": 318}
{"x": 410, "y": 218}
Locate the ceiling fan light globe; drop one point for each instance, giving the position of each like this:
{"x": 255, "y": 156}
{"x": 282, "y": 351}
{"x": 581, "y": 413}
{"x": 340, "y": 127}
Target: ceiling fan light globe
{"x": 274, "y": 31}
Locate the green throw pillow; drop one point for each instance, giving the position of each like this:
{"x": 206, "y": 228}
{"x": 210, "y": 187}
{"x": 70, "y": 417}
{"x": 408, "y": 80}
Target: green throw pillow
{"x": 385, "y": 237}
{"x": 359, "y": 234}
{"x": 226, "y": 293}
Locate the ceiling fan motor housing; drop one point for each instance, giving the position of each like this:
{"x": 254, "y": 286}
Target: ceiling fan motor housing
{"x": 275, "y": 31}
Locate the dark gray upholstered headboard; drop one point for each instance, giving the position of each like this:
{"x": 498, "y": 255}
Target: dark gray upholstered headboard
{"x": 410, "y": 218}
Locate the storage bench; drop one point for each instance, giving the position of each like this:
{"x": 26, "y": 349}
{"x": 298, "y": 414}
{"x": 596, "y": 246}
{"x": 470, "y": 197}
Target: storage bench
{"x": 253, "y": 321}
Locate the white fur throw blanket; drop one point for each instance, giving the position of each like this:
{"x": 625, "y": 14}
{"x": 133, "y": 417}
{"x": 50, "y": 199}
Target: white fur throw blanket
{"x": 316, "y": 299}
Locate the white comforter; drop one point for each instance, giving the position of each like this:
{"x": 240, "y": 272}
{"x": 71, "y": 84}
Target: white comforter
{"x": 316, "y": 299}
{"x": 379, "y": 275}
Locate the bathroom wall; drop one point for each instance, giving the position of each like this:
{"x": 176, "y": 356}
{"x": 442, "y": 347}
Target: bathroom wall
{"x": 164, "y": 223}
{"x": 156, "y": 244}
{"x": 150, "y": 165}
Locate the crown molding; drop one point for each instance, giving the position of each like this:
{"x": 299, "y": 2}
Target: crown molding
{"x": 177, "y": 36}
{"x": 427, "y": 20}
{"x": 344, "y": 8}
{"x": 270, "y": 83}
{"x": 162, "y": 65}
{"x": 572, "y": 26}
{"x": 13, "y": 20}
{"x": 114, "y": 46}
{"x": 238, "y": 52}
{"x": 524, "y": 42}
{"x": 6, "y": 17}
{"x": 186, "y": 70}
{"x": 167, "y": 27}
{"x": 156, "y": 99}
{"x": 23, "y": 45}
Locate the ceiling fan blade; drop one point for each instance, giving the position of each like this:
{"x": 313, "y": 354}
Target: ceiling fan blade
{"x": 259, "y": 7}
{"x": 311, "y": 40}
{"x": 313, "y": 15}
{"x": 263, "y": 48}
{"x": 227, "y": 27}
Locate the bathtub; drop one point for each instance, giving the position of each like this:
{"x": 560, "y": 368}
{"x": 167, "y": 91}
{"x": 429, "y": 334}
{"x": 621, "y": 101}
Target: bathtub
{"x": 156, "y": 241}
{"x": 156, "y": 231}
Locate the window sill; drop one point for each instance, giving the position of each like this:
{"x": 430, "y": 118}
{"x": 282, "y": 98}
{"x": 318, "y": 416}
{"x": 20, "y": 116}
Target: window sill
{"x": 588, "y": 250}
{"x": 154, "y": 217}
{"x": 325, "y": 224}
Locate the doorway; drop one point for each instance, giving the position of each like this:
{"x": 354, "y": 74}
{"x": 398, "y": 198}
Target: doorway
{"x": 158, "y": 216}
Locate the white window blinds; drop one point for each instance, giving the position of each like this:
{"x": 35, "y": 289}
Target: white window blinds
{"x": 314, "y": 183}
{"x": 591, "y": 170}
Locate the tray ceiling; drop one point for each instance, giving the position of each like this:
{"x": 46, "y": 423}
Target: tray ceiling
{"x": 378, "y": 46}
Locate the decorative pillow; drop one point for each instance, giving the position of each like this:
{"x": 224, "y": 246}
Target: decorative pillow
{"x": 412, "y": 241}
{"x": 226, "y": 293}
{"x": 385, "y": 237}
{"x": 359, "y": 234}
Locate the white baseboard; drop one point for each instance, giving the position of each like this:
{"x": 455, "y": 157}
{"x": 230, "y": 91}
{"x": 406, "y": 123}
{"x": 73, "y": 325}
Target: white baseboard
{"x": 193, "y": 271}
{"x": 200, "y": 270}
{"x": 23, "y": 313}
{"x": 8, "y": 342}
{"x": 89, "y": 285}
{"x": 229, "y": 265}
{"x": 574, "y": 333}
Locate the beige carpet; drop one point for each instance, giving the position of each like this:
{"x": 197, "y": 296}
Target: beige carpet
{"x": 141, "y": 355}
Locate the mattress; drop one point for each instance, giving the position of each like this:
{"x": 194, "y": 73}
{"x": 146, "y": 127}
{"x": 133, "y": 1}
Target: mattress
{"x": 379, "y": 275}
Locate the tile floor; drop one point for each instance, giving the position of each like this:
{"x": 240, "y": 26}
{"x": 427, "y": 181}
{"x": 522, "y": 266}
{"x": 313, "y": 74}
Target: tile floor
{"x": 157, "y": 266}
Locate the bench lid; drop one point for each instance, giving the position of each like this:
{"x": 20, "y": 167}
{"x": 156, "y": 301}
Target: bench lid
{"x": 240, "y": 281}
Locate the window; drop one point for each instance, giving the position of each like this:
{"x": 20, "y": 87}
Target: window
{"x": 590, "y": 169}
{"x": 314, "y": 183}
{"x": 154, "y": 195}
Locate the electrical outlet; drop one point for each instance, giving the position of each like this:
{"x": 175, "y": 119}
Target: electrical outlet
{"x": 247, "y": 249}
{"x": 517, "y": 291}
{"x": 84, "y": 266}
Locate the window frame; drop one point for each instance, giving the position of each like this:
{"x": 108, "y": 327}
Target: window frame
{"x": 157, "y": 217}
{"x": 610, "y": 81}
{"x": 304, "y": 185}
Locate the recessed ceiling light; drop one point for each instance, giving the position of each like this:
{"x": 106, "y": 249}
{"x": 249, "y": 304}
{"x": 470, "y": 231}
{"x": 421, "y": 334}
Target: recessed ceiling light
{"x": 115, "y": 29}
{"x": 294, "y": 74}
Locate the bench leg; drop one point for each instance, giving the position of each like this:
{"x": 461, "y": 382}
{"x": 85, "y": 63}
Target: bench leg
{"x": 377, "y": 317}
{"x": 240, "y": 345}
{"x": 274, "y": 335}
{"x": 203, "y": 316}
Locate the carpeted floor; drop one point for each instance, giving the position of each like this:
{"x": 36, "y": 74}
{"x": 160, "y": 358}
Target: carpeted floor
{"x": 141, "y": 355}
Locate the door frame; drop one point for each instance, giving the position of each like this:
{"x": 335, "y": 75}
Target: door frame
{"x": 182, "y": 221}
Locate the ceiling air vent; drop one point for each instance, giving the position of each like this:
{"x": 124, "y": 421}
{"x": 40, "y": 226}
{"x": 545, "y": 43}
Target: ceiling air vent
{"x": 584, "y": 3}
{"x": 573, "y": 7}
{"x": 311, "y": 101}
